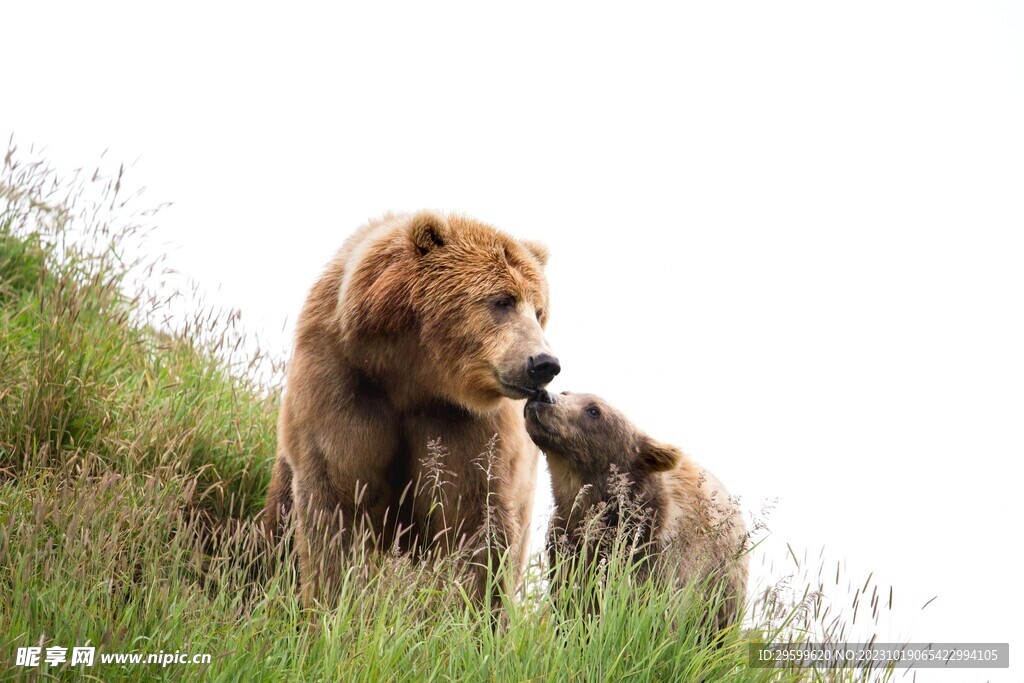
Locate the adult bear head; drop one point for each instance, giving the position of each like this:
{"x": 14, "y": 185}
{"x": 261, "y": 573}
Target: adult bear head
{"x": 455, "y": 305}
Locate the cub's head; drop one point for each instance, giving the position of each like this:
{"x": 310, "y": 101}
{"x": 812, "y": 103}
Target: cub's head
{"x": 582, "y": 436}
{"x": 480, "y": 301}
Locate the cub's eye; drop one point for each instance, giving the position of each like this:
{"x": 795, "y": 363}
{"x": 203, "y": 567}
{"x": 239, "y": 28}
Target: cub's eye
{"x": 594, "y": 412}
{"x": 505, "y": 301}
{"x": 540, "y": 313}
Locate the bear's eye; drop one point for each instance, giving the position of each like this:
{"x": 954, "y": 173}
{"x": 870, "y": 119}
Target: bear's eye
{"x": 594, "y": 412}
{"x": 505, "y": 301}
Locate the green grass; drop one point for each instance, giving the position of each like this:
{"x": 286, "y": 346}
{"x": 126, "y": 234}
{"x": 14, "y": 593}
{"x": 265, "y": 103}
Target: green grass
{"x": 134, "y": 456}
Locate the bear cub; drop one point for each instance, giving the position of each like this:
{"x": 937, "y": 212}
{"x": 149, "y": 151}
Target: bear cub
{"x": 691, "y": 529}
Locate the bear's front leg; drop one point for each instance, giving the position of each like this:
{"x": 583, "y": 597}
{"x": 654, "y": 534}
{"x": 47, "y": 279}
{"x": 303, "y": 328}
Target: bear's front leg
{"x": 342, "y": 443}
{"x": 319, "y": 535}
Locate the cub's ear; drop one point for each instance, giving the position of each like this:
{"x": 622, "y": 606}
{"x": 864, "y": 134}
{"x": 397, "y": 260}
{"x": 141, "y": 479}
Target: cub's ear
{"x": 658, "y": 456}
{"x": 539, "y": 251}
{"x": 428, "y": 230}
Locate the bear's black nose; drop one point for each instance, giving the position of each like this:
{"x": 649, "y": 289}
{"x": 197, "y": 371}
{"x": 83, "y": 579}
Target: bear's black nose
{"x": 543, "y": 368}
{"x": 544, "y": 396}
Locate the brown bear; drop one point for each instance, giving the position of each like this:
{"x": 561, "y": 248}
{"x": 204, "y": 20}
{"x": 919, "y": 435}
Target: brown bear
{"x": 414, "y": 351}
{"x": 600, "y": 463}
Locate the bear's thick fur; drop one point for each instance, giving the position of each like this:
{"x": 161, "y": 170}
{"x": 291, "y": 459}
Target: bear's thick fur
{"x": 423, "y": 328}
{"x": 692, "y": 530}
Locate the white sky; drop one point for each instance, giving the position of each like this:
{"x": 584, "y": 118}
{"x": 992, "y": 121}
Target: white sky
{"x": 785, "y": 236}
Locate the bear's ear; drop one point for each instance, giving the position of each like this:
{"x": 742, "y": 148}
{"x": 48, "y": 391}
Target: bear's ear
{"x": 539, "y": 251}
{"x": 427, "y": 230}
{"x": 658, "y": 456}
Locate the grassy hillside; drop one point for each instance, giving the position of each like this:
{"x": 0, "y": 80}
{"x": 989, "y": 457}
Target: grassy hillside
{"x": 132, "y": 462}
